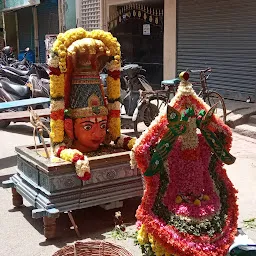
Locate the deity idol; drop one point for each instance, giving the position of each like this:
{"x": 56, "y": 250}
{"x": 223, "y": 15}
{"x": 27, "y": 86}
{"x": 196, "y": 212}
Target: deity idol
{"x": 82, "y": 118}
{"x": 189, "y": 204}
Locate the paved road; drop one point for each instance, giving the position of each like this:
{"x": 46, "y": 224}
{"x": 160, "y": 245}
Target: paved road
{"x": 20, "y": 235}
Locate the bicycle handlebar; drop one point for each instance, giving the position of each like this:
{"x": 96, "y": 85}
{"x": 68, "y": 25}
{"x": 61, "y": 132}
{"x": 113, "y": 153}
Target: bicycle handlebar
{"x": 199, "y": 70}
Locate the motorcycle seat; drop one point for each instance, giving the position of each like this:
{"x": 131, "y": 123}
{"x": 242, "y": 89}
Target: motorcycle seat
{"x": 17, "y": 71}
{"x": 16, "y": 89}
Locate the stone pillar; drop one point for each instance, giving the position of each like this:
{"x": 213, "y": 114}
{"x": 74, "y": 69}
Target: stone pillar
{"x": 169, "y": 39}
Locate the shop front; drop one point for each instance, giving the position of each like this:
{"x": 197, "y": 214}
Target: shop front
{"x": 199, "y": 34}
{"x": 27, "y": 22}
{"x": 139, "y": 27}
{"x": 219, "y": 35}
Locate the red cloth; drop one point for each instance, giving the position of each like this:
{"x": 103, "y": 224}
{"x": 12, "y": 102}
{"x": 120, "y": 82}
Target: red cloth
{"x": 114, "y": 74}
{"x": 54, "y": 71}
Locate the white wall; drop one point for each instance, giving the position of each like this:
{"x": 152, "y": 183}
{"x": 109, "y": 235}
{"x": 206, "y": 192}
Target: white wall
{"x": 169, "y": 39}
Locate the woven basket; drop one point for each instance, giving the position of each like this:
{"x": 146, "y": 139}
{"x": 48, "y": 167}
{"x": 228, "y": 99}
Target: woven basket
{"x": 92, "y": 248}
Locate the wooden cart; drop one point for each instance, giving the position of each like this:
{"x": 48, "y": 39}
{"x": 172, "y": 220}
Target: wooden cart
{"x": 53, "y": 187}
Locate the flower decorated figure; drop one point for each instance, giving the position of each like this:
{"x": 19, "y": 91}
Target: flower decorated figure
{"x": 189, "y": 204}
{"x": 82, "y": 117}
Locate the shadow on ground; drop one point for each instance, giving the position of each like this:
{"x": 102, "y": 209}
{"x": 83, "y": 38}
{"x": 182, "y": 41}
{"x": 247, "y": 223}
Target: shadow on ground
{"x": 235, "y": 111}
{"x": 8, "y": 162}
{"x": 92, "y": 222}
{"x": 24, "y": 129}
{"x": 21, "y": 128}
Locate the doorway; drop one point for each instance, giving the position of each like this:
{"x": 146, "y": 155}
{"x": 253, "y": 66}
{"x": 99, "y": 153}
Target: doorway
{"x": 139, "y": 29}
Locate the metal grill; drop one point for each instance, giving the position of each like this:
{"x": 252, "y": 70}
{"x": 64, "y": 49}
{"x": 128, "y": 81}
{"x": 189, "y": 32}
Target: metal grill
{"x": 90, "y": 14}
{"x": 218, "y": 34}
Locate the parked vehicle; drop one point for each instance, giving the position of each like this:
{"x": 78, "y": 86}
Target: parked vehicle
{"x": 133, "y": 81}
{"x": 17, "y": 84}
{"x": 7, "y": 55}
{"x": 151, "y": 103}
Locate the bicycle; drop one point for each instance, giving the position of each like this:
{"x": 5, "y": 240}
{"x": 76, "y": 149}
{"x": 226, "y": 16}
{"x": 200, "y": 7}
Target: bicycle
{"x": 151, "y": 103}
{"x": 211, "y": 97}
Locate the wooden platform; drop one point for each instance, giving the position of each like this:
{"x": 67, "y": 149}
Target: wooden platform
{"x": 52, "y": 187}
{"x": 20, "y": 115}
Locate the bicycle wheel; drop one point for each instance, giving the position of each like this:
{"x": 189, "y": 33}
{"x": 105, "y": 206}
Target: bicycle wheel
{"x": 211, "y": 99}
{"x": 147, "y": 113}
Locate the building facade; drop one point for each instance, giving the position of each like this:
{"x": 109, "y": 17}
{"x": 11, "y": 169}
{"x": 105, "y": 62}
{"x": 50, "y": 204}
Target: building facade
{"x": 200, "y": 34}
{"x": 26, "y": 22}
{"x": 89, "y": 14}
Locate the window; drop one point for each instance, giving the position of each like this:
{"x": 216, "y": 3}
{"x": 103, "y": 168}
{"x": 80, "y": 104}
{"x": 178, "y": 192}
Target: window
{"x": 90, "y": 14}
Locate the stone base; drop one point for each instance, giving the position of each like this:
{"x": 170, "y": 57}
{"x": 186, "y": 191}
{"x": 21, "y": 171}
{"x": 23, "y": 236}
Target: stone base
{"x": 54, "y": 187}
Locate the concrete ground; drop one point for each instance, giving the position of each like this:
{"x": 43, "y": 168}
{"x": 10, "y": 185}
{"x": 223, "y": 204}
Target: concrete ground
{"x": 242, "y": 117}
{"x": 23, "y": 236}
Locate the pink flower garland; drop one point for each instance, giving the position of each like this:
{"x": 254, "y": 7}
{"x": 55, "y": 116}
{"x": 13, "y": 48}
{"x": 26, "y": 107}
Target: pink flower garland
{"x": 174, "y": 241}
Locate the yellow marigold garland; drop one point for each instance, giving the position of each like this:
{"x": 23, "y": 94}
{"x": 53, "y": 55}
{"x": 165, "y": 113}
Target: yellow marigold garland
{"x": 57, "y": 85}
{"x": 57, "y": 82}
{"x": 58, "y": 60}
{"x": 68, "y": 154}
{"x": 112, "y": 88}
{"x": 131, "y": 143}
{"x": 57, "y": 130}
{"x": 81, "y": 161}
{"x": 144, "y": 238}
{"x": 114, "y": 127}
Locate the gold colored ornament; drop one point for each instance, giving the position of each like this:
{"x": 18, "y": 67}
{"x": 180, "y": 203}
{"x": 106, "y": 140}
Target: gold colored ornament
{"x": 89, "y": 111}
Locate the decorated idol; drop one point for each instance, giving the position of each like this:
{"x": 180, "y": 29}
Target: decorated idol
{"x": 189, "y": 204}
{"x": 82, "y": 117}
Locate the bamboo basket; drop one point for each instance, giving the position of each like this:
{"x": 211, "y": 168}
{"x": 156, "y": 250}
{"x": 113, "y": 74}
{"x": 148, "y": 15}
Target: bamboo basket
{"x": 92, "y": 248}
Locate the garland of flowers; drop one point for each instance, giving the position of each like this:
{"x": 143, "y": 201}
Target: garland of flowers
{"x": 168, "y": 242}
{"x": 183, "y": 235}
{"x": 58, "y": 76}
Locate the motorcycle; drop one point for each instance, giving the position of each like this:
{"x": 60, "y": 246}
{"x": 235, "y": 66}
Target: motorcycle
{"x": 132, "y": 80}
{"x": 16, "y": 84}
{"x": 34, "y": 88}
{"x": 7, "y": 55}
